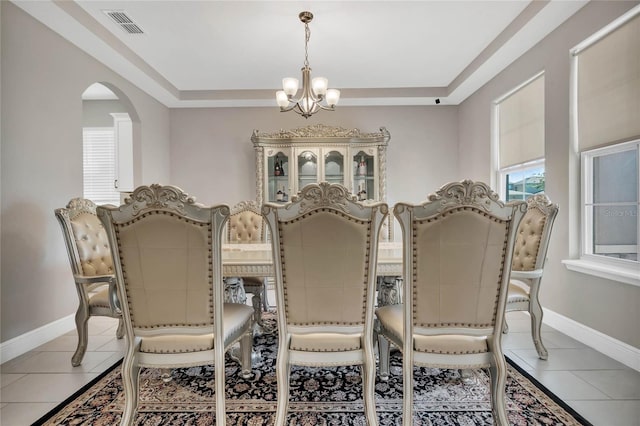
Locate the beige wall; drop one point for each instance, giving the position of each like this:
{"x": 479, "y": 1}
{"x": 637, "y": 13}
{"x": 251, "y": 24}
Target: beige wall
{"x": 607, "y": 306}
{"x": 212, "y": 155}
{"x": 43, "y": 77}
{"x": 208, "y": 152}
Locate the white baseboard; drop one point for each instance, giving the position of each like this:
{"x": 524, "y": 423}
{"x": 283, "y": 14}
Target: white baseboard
{"x": 613, "y": 348}
{"x": 34, "y": 338}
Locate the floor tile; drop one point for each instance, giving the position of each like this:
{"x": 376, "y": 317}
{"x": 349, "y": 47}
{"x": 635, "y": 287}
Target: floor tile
{"x": 617, "y": 384}
{"x": 56, "y": 362}
{"x": 70, "y": 343}
{"x": 21, "y": 414}
{"x": 45, "y": 387}
{"x": 7, "y": 379}
{"x": 608, "y": 413}
{"x": 566, "y": 385}
{"x": 113, "y": 345}
{"x": 6, "y": 367}
{"x": 514, "y": 340}
{"x": 569, "y": 359}
{"x": 107, "y": 363}
{"x": 555, "y": 339}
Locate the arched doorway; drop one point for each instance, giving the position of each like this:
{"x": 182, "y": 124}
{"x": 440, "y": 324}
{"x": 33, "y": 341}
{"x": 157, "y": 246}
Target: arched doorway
{"x": 109, "y": 124}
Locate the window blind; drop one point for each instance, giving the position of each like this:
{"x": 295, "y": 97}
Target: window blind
{"x": 608, "y": 89}
{"x": 98, "y": 163}
{"x": 521, "y": 124}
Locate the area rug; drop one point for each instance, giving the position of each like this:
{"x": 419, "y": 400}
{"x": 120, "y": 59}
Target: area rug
{"x": 318, "y": 397}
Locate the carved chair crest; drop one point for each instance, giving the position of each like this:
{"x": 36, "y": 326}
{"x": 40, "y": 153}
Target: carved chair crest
{"x": 77, "y": 206}
{"x": 466, "y": 192}
{"x": 314, "y": 196}
{"x": 542, "y": 203}
{"x": 158, "y": 196}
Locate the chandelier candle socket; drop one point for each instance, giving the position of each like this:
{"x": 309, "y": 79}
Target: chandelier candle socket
{"x": 313, "y": 91}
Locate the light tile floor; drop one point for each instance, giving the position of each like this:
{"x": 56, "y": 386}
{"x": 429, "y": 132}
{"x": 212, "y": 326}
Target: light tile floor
{"x": 604, "y": 391}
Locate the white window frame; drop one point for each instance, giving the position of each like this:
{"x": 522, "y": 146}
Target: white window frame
{"x": 529, "y": 165}
{"x": 586, "y": 204}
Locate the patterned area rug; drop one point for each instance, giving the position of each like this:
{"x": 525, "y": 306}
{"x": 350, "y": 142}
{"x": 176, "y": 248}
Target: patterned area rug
{"x": 318, "y": 397}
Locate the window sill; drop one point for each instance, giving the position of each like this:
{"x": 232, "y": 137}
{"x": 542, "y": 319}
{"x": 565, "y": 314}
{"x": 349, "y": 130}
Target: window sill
{"x": 624, "y": 274}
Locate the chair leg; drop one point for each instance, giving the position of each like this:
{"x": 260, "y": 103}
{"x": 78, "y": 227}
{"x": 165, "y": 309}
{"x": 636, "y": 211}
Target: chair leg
{"x": 130, "y": 372}
{"x": 246, "y": 346}
{"x": 82, "y": 318}
{"x": 535, "y": 311}
{"x": 407, "y": 390}
{"x": 283, "y": 369}
{"x": 383, "y": 357}
{"x": 120, "y": 330}
{"x": 505, "y": 327}
{"x": 368, "y": 387}
{"x": 265, "y": 300}
{"x": 498, "y": 373}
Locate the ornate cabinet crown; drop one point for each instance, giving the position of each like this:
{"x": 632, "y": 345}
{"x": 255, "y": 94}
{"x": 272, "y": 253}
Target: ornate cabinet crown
{"x": 287, "y": 160}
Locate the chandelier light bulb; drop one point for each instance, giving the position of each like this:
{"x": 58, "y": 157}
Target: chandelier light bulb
{"x": 333, "y": 96}
{"x": 281, "y": 99}
{"x": 290, "y": 86}
{"x": 319, "y": 85}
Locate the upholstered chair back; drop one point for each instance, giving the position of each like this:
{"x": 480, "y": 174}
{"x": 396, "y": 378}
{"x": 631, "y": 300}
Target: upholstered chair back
{"x": 325, "y": 273}
{"x": 165, "y": 262}
{"x": 457, "y": 277}
{"x": 533, "y": 234}
{"x": 460, "y": 245}
{"x": 86, "y": 239}
{"x": 153, "y": 263}
{"x": 246, "y": 224}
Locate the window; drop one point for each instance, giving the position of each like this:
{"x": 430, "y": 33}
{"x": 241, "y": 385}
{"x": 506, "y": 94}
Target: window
{"x": 610, "y": 183}
{"x": 605, "y": 130}
{"x": 522, "y": 181}
{"x": 519, "y": 140}
{"x": 98, "y": 164}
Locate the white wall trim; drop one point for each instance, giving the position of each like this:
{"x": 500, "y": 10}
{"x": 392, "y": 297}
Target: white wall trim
{"x": 613, "y": 348}
{"x": 34, "y": 338}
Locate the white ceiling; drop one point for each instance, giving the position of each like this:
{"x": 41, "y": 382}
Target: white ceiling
{"x": 235, "y": 53}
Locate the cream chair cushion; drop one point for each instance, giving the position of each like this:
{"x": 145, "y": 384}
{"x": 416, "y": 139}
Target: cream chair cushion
{"x": 245, "y": 227}
{"x": 92, "y": 244}
{"x": 530, "y": 231}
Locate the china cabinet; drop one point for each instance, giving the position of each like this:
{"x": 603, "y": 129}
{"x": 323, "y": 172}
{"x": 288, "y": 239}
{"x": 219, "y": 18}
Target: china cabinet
{"x": 287, "y": 160}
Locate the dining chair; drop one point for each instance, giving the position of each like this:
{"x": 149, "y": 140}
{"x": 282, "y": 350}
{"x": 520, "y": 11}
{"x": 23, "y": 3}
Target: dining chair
{"x": 457, "y": 249}
{"x": 529, "y": 256}
{"x": 246, "y": 226}
{"x": 91, "y": 266}
{"x": 325, "y": 246}
{"x": 168, "y": 267}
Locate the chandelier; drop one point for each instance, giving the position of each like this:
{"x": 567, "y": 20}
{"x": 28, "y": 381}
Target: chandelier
{"x": 313, "y": 91}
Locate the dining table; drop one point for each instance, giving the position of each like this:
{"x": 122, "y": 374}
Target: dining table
{"x": 256, "y": 260}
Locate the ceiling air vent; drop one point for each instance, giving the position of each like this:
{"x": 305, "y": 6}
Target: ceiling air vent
{"x": 124, "y": 21}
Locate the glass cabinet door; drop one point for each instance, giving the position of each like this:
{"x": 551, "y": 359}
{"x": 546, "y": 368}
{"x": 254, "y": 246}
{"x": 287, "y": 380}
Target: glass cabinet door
{"x": 307, "y": 168}
{"x": 334, "y": 167}
{"x": 278, "y": 177}
{"x": 363, "y": 176}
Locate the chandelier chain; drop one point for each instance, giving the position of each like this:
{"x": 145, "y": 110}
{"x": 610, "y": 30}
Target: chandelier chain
{"x": 307, "y": 33}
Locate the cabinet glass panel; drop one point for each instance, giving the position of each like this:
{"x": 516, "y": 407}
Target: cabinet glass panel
{"x": 363, "y": 176}
{"x": 307, "y": 169}
{"x": 277, "y": 177}
{"x": 334, "y": 167}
